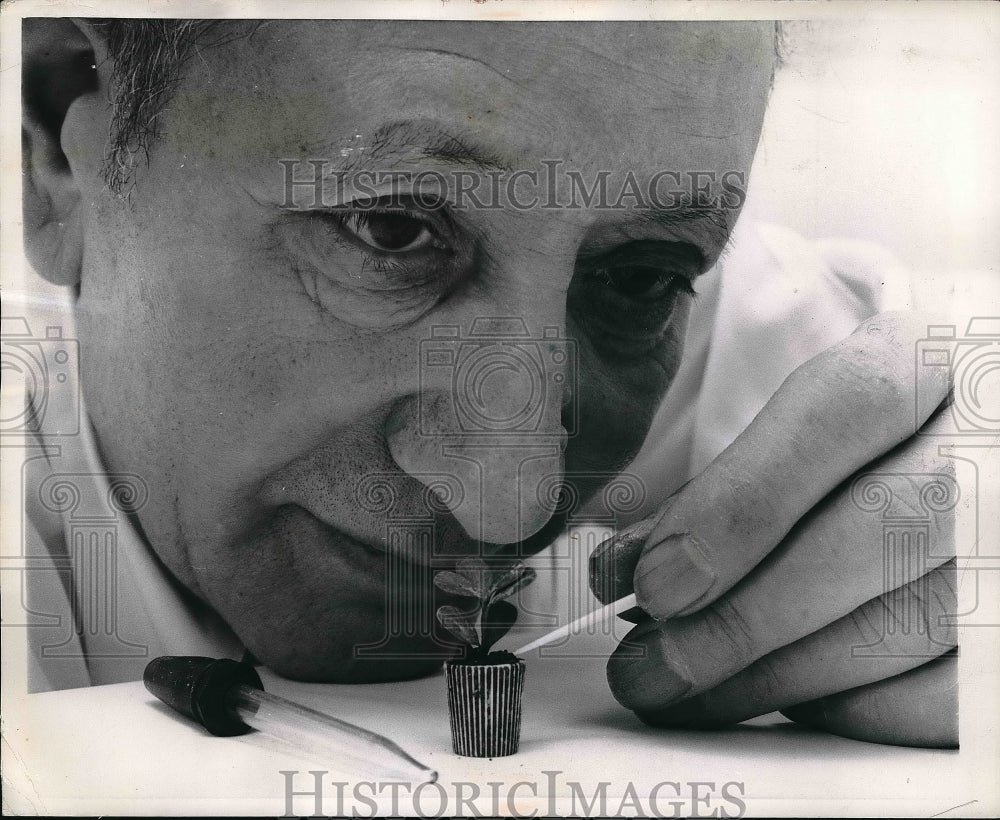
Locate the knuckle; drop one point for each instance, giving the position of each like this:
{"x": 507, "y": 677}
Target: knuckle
{"x": 726, "y": 624}
{"x": 920, "y": 456}
{"x": 876, "y": 374}
{"x": 942, "y": 535}
{"x": 940, "y": 495}
{"x": 874, "y": 371}
{"x": 866, "y": 621}
{"x": 897, "y": 610}
{"x": 873, "y": 383}
{"x": 925, "y": 489}
{"x": 897, "y": 327}
{"x": 770, "y": 679}
{"x": 924, "y": 607}
{"x": 741, "y": 506}
{"x": 944, "y": 592}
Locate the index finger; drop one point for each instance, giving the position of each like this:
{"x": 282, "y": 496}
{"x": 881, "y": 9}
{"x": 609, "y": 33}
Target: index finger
{"x": 833, "y": 415}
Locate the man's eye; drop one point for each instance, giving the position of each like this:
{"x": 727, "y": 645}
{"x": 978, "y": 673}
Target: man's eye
{"x": 643, "y": 283}
{"x": 625, "y": 299}
{"x": 389, "y": 231}
{"x": 379, "y": 264}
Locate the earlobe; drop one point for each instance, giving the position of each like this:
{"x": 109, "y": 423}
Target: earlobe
{"x": 58, "y": 73}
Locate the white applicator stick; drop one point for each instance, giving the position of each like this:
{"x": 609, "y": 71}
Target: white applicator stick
{"x": 597, "y": 616}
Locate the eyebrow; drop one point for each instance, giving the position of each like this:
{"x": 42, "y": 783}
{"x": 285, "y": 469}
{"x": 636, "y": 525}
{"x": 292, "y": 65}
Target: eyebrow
{"x": 711, "y": 219}
{"x": 396, "y": 140}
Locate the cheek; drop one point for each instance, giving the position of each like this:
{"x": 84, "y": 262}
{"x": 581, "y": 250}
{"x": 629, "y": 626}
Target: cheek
{"x": 207, "y": 369}
{"x": 616, "y": 401}
{"x": 302, "y": 599}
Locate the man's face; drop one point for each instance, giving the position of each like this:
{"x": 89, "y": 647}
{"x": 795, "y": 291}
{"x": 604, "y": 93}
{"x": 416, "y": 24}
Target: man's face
{"x": 260, "y": 362}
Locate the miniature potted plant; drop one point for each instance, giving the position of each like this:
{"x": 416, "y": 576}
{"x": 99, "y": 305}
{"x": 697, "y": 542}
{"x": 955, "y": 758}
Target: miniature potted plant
{"x": 484, "y": 687}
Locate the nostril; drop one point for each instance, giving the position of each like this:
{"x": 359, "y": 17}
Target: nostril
{"x": 488, "y": 482}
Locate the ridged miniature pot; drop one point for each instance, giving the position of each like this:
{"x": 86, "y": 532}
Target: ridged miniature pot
{"x": 484, "y": 703}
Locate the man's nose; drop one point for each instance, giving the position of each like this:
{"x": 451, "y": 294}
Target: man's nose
{"x": 488, "y": 418}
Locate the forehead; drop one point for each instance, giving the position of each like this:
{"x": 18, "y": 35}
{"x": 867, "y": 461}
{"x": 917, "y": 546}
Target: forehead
{"x": 679, "y": 94}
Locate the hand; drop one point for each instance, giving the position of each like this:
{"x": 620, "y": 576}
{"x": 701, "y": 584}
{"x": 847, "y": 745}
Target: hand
{"x": 768, "y": 574}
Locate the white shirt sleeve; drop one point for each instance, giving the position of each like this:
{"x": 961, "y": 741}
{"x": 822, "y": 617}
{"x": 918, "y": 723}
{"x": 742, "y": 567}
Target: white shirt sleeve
{"x": 775, "y": 300}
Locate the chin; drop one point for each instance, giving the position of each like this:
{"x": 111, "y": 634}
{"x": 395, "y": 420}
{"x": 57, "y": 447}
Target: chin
{"x": 350, "y": 642}
{"x": 398, "y": 659}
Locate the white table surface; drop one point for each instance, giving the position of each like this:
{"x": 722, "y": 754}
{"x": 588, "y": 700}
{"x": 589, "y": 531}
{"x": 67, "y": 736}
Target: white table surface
{"x": 117, "y": 750}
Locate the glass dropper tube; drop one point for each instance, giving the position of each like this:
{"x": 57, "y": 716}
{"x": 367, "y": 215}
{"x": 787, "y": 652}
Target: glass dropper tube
{"x": 342, "y": 745}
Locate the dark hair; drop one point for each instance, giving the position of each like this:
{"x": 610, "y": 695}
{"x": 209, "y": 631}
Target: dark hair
{"x": 147, "y": 57}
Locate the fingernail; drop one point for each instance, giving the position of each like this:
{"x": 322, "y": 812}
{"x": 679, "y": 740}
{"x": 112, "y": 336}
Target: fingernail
{"x": 673, "y": 575}
{"x": 613, "y": 562}
{"x": 640, "y": 675}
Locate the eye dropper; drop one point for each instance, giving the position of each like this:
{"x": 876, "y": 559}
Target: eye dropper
{"x": 228, "y": 698}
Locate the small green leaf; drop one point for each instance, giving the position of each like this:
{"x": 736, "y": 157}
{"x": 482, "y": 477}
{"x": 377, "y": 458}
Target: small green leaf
{"x": 460, "y": 623}
{"x": 513, "y": 581}
{"x": 492, "y": 578}
{"x": 497, "y": 621}
{"x": 456, "y": 584}
{"x": 476, "y": 573}
{"x": 490, "y": 583}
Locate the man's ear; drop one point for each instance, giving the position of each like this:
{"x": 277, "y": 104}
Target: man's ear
{"x": 59, "y": 76}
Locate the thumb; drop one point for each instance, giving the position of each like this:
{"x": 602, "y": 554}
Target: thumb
{"x": 613, "y": 562}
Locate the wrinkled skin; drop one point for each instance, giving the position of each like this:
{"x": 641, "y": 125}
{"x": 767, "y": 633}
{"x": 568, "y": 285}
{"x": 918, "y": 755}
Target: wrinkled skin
{"x": 259, "y": 364}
